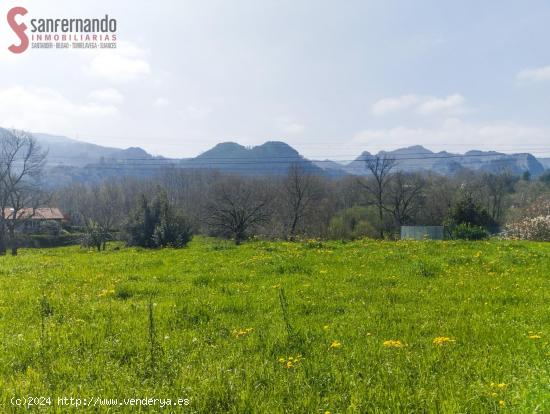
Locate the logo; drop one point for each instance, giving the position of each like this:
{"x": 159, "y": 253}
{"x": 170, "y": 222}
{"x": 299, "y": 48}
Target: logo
{"x": 19, "y": 29}
{"x": 51, "y": 33}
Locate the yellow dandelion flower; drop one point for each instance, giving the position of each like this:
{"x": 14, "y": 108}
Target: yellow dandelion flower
{"x": 290, "y": 362}
{"x": 242, "y": 332}
{"x": 336, "y": 344}
{"x": 534, "y": 336}
{"x": 502, "y": 403}
{"x": 442, "y": 340}
{"x": 393, "y": 343}
{"x": 326, "y": 327}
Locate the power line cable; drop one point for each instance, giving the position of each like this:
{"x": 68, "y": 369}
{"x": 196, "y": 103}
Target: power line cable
{"x": 287, "y": 159}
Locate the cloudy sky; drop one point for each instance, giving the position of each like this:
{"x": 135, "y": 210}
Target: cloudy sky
{"x": 331, "y": 78}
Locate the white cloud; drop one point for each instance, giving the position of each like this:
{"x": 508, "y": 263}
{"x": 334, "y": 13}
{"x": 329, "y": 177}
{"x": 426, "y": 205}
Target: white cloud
{"x": 108, "y": 95}
{"x": 289, "y": 125}
{"x": 161, "y": 102}
{"x": 45, "y": 109}
{"x": 194, "y": 113}
{"x": 125, "y": 64}
{"x": 534, "y": 75}
{"x": 452, "y": 103}
{"x": 419, "y": 104}
{"x": 456, "y": 135}
{"x": 388, "y": 105}
{"x": 293, "y": 128}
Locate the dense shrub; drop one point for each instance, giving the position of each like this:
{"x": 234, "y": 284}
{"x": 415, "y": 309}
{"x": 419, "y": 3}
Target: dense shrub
{"x": 467, "y": 212}
{"x": 47, "y": 240}
{"x": 352, "y": 223}
{"x": 95, "y": 235}
{"x": 155, "y": 223}
{"x": 52, "y": 228}
{"x": 466, "y": 231}
{"x": 173, "y": 230}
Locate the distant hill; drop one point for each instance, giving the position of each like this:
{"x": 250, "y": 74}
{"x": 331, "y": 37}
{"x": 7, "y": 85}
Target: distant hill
{"x": 271, "y": 158}
{"x": 418, "y": 158}
{"x": 70, "y": 160}
{"x": 331, "y": 168}
{"x": 70, "y": 152}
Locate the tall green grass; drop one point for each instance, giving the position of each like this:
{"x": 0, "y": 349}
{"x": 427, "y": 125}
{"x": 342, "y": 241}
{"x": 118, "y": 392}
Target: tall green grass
{"x": 282, "y": 327}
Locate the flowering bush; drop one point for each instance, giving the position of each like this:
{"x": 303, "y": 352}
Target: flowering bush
{"x": 529, "y": 228}
{"x": 535, "y": 224}
{"x": 541, "y": 207}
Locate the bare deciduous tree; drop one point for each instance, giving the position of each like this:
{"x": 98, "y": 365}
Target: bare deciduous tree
{"x": 299, "y": 189}
{"x": 104, "y": 211}
{"x": 235, "y": 207}
{"x": 437, "y": 199}
{"x": 21, "y": 165}
{"x": 497, "y": 187}
{"x": 380, "y": 167}
{"x": 404, "y": 196}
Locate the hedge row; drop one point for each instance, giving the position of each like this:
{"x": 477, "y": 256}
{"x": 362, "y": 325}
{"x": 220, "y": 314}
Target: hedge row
{"x": 46, "y": 240}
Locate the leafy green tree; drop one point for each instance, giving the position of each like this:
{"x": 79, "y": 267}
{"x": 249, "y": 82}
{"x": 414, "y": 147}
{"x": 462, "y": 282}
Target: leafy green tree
{"x": 156, "y": 223}
{"x": 468, "y": 215}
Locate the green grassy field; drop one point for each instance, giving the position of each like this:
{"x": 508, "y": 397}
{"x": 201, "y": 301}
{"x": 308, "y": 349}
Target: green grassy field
{"x": 281, "y": 327}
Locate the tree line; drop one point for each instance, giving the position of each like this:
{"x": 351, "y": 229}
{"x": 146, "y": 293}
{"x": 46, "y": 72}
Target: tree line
{"x": 167, "y": 209}
{"x": 301, "y": 205}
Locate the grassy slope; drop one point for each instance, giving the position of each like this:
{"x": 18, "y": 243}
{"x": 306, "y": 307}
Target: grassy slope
{"x": 487, "y": 296}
